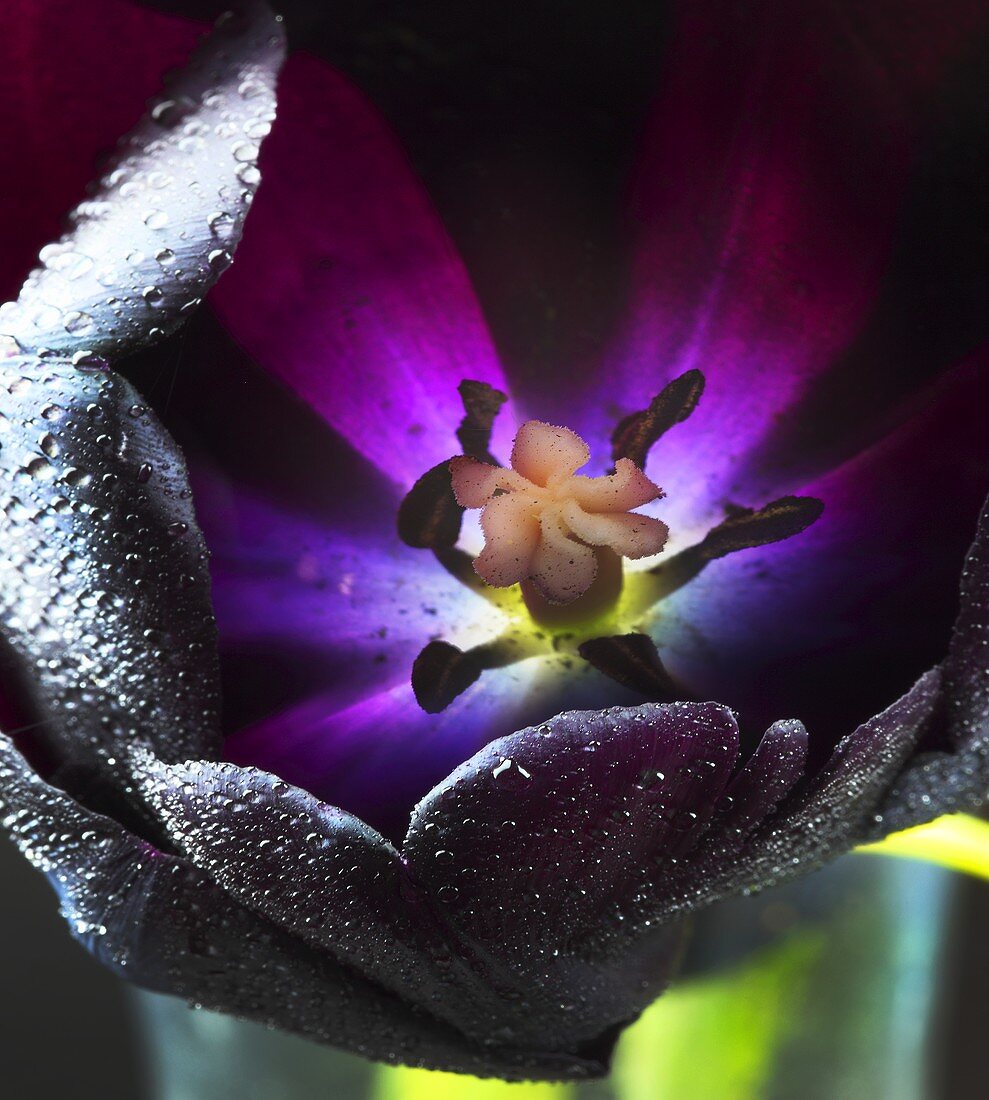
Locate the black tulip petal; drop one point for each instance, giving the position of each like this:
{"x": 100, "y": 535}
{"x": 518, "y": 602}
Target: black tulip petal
{"x": 538, "y": 847}
{"x": 957, "y": 779}
{"x": 163, "y": 222}
{"x": 104, "y": 588}
{"x": 316, "y": 871}
{"x": 769, "y": 775}
{"x": 815, "y": 824}
{"x": 162, "y": 923}
{"x": 326, "y": 877}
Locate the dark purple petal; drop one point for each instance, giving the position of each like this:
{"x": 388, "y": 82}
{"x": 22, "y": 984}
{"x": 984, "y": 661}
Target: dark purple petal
{"x": 538, "y": 847}
{"x": 768, "y": 776}
{"x": 809, "y": 828}
{"x": 765, "y": 205}
{"x": 824, "y": 821}
{"x": 317, "y": 871}
{"x": 326, "y": 877}
{"x": 967, "y": 667}
{"x": 104, "y": 590}
{"x": 955, "y": 774}
{"x": 159, "y": 921}
{"x": 864, "y": 598}
{"x": 51, "y": 129}
{"x": 359, "y": 602}
{"x": 162, "y": 224}
{"x": 348, "y": 289}
{"x": 597, "y": 830}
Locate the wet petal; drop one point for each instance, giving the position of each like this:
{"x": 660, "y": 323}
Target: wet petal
{"x": 162, "y": 224}
{"x": 347, "y": 287}
{"x": 512, "y": 532}
{"x": 317, "y": 871}
{"x": 552, "y": 835}
{"x": 161, "y": 922}
{"x": 830, "y": 817}
{"x": 768, "y": 776}
{"x": 750, "y": 847}
{"x": 543, "y": 451}
{"x": 625, "y": 489}
{"x": 955, "y": 776}
{"x": 104, "y": 590}
{"x": 50, "y": 132}
{"x": 327, "y": 878}
{"x": 632, "y": 536}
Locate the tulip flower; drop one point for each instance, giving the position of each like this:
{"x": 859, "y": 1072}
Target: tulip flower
{"x": 521, "y": 663}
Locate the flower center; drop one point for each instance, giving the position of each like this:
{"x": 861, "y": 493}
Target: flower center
{"x": 560, "y": 536}
{"x": 558, "y": 533}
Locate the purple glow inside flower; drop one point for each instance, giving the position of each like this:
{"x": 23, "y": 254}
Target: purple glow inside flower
{"x": 535, "y": 677}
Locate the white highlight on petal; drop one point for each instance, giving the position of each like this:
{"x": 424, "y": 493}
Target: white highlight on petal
{"x": 540, "y": 518}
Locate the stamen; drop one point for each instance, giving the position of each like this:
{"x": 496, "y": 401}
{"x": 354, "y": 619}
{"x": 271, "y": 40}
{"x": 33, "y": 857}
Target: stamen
{"x": 481, "y": 405}
{"x": 429, "y": 517}
{"x": 560, "y": 536}
{"x": 631, "y": 660}
{"x": 744, "y": 529}
{"x": 542, "y": 521}
{"x": 635, "y": 435}
{"x": 440, "y": 673}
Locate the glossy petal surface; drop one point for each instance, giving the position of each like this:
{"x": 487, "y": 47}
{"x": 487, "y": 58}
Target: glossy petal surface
{"x": 158, "y": 920}
{"x": 163, "y": 222}
{"x": 327, "y": 878}
{"x": 52, "y": 132}
{"x": 955, "y": 775}
{"x": 104, "y": 589}
{"x": 536, "y": 846}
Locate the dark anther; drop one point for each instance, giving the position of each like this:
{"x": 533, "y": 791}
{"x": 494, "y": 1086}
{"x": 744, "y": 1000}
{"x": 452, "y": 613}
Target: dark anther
{"x": 637, "y": 432}
{"x": 631, "y": 660}
{"x": 481, "y": 405}
{"x": 440, "y": 673}
{"x": 743, "y": 529}
{"x": 429, "y": 517}
{"x": 747, "y": 527}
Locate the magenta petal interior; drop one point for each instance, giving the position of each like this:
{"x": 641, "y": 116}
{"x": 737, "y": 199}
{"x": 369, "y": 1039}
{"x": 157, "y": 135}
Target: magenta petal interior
{"x": 346, "y": 286}
{"x": 764, "y": 207}
{"x": 832, "y": 624}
